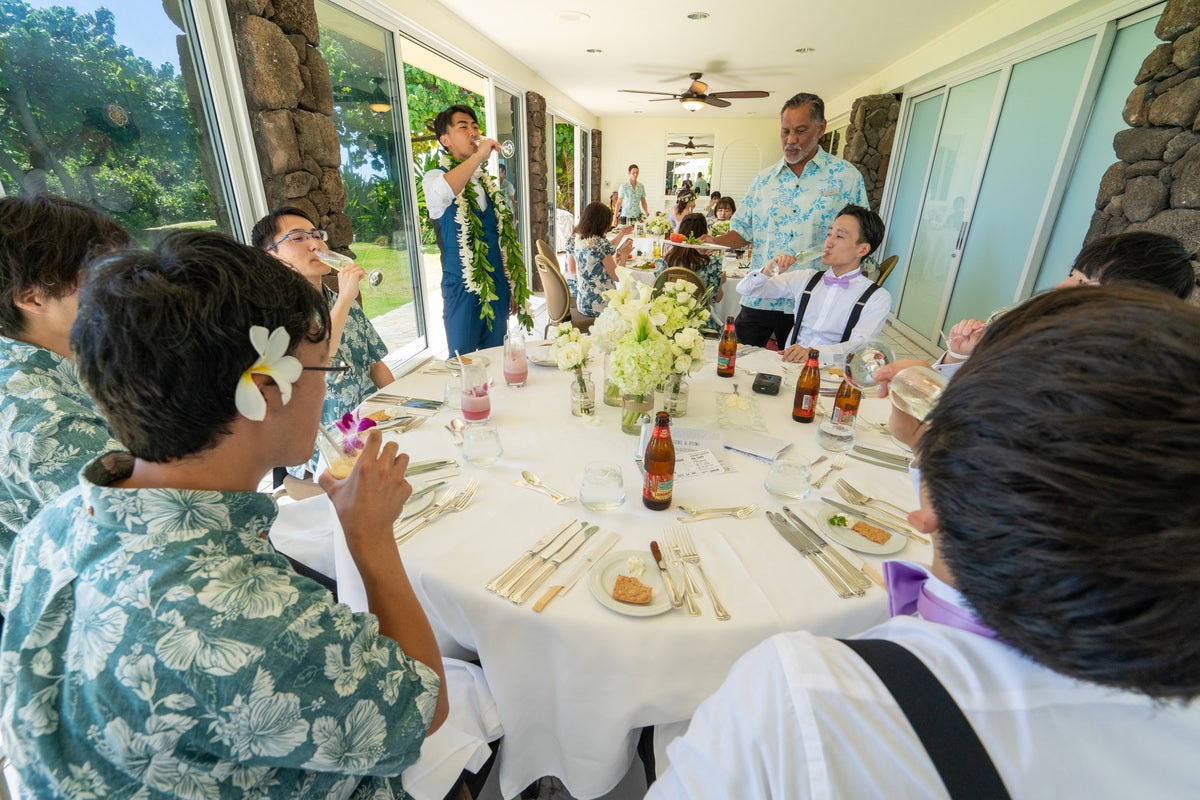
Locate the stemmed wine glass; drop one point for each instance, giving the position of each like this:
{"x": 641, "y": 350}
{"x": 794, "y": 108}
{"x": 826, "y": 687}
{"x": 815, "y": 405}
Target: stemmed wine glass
{"x": 914, "y": 390}
{"x": 337, "y": 261}
{"x": 507, "y": 148}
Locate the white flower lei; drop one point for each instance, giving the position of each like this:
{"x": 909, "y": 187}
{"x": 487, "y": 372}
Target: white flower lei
{"x": 465, "y": 248}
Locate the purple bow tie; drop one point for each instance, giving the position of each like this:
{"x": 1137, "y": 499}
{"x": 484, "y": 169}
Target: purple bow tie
{"x": 829, "y": 280}
{"x": 907, "y": 595}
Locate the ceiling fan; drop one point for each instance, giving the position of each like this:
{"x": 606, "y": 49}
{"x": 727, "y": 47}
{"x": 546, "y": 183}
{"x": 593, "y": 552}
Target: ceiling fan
{"x": 696, "y": 96}
{"x": 690, "y": 148}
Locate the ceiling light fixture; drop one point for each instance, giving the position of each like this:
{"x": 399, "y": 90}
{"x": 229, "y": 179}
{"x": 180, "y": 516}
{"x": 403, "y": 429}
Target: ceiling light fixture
{"x": 594, "y": 50}
{"x": 377, "y": 101}
{"x": 805, "y": 49}
{"x": 698, "y": 15}
{"x": 692, "y": 103}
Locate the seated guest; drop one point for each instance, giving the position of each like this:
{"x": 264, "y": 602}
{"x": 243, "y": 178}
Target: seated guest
{"x": 1058, "y": 613}
{"x": 1151, "y": 258}
{"x": 594, "y": 259}
{"x": 724, "y": 208}
{"x": 155, "y": 643}
{"x": 836, "y": 307}
{"x": 293, "y": 238}
{"x": 705, "y": 263}
{"x": 685, "y": 205}
{"x": 710, "y": 210}
{"x": 49, "y": 427}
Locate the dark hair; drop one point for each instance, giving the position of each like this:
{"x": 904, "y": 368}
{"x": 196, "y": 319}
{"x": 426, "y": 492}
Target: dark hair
{"x": 696, "y": 225}
{"x": 1061, "y": 462}
{"x": 45, "y": 242}
{"x": 869, "y": 224}
{"x": 715, "y": 196}
{"x": 163, "y": 336}
{"x": 441, "y": 123}
{"x": 682, "y": 201}
{"x": 595, "y": 220}
{"x": 263, "y": 234}
{"x": 631, "y": 168}
{"x": 804, "y": 98}
{"x": 726, "y": 202}
{"x": 1152, "y": 258}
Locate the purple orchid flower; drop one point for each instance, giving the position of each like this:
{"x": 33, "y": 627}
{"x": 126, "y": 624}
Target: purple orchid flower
{"x": 350, "y": 425}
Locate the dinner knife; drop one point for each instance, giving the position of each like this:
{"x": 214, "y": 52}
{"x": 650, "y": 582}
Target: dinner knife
{"x": 537, "y": 561}
{"x": 870, "y": 517}
{"x": 883, "y": 455}
{"x": 856, "y": 583}
{"x": 793, "y": 538}
{"x": 421, "y": 467}
{"x": 553, "y": 563}
{"x": 517, "y": 567}
{"x": 874, "y": 463}
{"x": 573, "y": 573}
{"x": 676, "y": 599}
{"x": 853, "y": 578}
{"x": 431, "y": 487}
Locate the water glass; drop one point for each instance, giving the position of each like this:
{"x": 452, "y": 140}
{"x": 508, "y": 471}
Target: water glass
{"x": 481, "y": 445}
{"x": 452, "y": 394}
{"x": 788, "y": 477}
{"x": 834, "y": 437}
{"x": 603, "y": 487}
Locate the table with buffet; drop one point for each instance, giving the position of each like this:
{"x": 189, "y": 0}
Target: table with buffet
{"x": 575, "y": 683}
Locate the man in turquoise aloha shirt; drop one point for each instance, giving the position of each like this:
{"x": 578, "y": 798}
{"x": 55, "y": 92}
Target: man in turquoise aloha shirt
{"x": 49, "y": 427}
{"x": 633, "y": 197}
{"x": 155, "y": 644}
{"x": 789, "y": 209}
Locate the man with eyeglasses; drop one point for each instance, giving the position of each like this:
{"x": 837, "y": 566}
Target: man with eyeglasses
{"x": 293, "y": 238}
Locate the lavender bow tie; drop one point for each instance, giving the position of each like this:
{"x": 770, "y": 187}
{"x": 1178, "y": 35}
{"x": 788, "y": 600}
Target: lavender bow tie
{"x": 907, "y": 595}
{"x": 830, "y": 280}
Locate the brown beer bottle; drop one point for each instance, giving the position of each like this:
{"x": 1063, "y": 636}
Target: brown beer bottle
{"x": 845, "y": 404}
{"x": 808, "y": 386}
{"x": 660, "y": 465}
{"x": 727, "y": 350}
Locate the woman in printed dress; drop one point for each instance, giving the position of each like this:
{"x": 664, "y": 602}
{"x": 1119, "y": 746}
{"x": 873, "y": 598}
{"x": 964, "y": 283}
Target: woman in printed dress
{"x": 594, "y": 259}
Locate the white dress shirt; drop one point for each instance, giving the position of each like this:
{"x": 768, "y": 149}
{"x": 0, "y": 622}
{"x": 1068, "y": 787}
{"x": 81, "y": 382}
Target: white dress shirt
{"x": 802, "y": 716}
{"x": 828, "y": 308}
{"x": 947, "y": 369}
{"x": 439, "y": 195}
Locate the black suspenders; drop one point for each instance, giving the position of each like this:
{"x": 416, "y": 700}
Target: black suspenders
{"x": 855, "y": 312}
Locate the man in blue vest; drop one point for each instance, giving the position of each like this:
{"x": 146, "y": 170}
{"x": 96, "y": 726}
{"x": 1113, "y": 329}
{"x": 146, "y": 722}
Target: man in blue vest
{"x": 836, "y": 307}
{"x": 467, "y": 276}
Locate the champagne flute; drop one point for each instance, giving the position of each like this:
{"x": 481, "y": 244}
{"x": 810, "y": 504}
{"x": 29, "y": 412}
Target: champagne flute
{"x": 337, "y": 261}
{"x": 507, "y": 148}
{"x": 865, "y": 360}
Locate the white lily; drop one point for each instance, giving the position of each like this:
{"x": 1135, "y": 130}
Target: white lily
{"x": 273, "y": 362}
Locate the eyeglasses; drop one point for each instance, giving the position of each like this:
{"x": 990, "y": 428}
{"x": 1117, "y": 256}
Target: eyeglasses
{"x": 301, "y": 237}
{"x": 339, "y": 369}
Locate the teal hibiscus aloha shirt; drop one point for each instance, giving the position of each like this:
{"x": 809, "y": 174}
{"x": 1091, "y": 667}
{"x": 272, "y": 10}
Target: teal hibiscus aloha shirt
{"x": 710, "y": 272}
{"x": 49, "y": 429}
{"x": 631, "y": 200}
{"x": 785, "y": 214}
{"x": 155, "y": 645}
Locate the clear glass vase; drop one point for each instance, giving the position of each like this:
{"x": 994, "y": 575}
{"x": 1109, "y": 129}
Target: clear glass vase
{"x": 675, "y": 394}
{"x": 612, "y": 392}
{"x": 634, "y": 409}
{"x": 583, "y": 394}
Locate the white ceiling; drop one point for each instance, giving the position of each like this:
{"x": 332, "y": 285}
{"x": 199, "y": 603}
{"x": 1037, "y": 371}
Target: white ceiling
{"x": 743, "y": 44}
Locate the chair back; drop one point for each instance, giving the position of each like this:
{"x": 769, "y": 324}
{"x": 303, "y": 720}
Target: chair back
{"x": 677, "y": 273}
{"x": 886, "y": 268}
{"x": 547, "y": 252}
{"x": 558, "y": 296}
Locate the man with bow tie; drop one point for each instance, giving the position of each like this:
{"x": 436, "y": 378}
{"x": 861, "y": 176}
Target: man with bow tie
{"x": 835, "y": 307}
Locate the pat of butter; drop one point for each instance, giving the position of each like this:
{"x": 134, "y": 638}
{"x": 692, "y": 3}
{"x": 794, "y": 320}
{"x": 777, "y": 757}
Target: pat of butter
{"x": 634, "y": 567}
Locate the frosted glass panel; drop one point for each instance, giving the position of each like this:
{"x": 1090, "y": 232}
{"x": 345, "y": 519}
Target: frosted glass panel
{"x": 922, "y": 132}
{"x": 1033, "y": 123}
{"x": 1096, "y": 153}
{"x": 955, "y": 165}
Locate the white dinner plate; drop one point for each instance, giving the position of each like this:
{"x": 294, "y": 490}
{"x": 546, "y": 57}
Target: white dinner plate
{"x": 452, "y": 361}
{"x": 702, "y": 246}
{"x": 540, "y": 355}
{"x": 854, "y": 540}
{"x": 420, "y": 504}
{"x": 603, "y": 578}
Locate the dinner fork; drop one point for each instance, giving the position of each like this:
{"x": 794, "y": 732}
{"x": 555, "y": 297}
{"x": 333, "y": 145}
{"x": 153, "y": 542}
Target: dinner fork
{"x": 860, "y": 498}
{"x": 838, "y": 463}
{"x": 741, "y": 513}
{"x": 450, "y": 506}
{"x": 686, "y": 548}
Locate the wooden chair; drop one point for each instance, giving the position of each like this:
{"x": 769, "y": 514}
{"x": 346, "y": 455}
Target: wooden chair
{"x": 677, "y": 273}
{"x": 558, "y": 296}
{"x": 886, "y": 268}
{"x": 547, "y": 252}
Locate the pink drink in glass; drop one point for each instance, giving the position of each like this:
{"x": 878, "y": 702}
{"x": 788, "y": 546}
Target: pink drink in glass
{"x": 476, "y": 404}
{"x": 516, "y": 369}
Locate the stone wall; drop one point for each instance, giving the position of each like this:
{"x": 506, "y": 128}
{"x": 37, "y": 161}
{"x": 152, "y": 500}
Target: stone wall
{"x": 289, "y": 95}
{"x": 596, "y": 163}
{"x": 1156, "y": 184}
{"x": 539, "y": 201}
{"x": 869, "y": 138}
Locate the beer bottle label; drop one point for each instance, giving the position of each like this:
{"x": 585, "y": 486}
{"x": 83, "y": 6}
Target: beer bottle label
{"x": 723, "y": 362}
{"x": 658, "y": 487}
{"x": 807, "y": 402}
{"x": 842, "y": 417}
{"x": 662, "y": 433}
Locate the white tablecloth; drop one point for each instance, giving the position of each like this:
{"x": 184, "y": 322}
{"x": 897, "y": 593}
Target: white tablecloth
{"x": 575, "y": 683}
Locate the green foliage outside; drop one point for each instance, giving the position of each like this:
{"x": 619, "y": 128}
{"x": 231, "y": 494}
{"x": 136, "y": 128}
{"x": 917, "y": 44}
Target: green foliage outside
{"x": 564, "y": 166}
{"x": 84, "y": 117}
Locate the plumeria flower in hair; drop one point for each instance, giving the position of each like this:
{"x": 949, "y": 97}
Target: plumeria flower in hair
{"x": 273, "y": 362}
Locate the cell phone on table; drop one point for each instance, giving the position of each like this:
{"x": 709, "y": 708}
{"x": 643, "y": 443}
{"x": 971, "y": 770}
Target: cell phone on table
{"x": 766, "y": 383}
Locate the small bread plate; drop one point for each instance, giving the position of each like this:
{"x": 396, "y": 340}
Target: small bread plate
{"x": 701, "y": 246}
{"x": 540, "y": 355}
{"x": 831, "y": 378}
{"x": 452, "y": 361}
{"x": 604, "y": 576}
{"x": 854, "y": 540}
{"x": 420, "y": 504}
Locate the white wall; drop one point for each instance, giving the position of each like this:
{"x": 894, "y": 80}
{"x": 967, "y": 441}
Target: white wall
{"x": 643, "y": 141}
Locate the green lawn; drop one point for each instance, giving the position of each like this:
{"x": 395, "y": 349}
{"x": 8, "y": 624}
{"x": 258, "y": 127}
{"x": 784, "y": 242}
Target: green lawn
{"x": 397, "y": 287}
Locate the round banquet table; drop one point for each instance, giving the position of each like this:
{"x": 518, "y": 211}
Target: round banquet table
{"x": 575, "y": 683}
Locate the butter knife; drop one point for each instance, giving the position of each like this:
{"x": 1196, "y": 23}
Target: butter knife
{"x": 572, "y": 574}
{"x": 676, "y": 600}
{"x": 430, "y": 488}
{"x": 568, "y": 550}
{"x": 883, "y": 455}
{"x": 858, "y": 582}
{"x": 870, "y": 516}
{"x": 873, "y": 462}
{"x": 517, "y": 567}
{"x": 792, "y": 537}
{"x": 539, "y": 560}
{"x": 421, "y": 467}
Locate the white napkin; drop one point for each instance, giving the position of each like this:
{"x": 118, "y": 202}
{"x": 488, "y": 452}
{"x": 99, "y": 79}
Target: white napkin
{"x": 304, "y": 530}
{"x": 758, "y": 445}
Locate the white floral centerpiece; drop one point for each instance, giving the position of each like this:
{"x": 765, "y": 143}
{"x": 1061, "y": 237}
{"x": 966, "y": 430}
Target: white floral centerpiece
{"x": 571, "y": 350}
{"x": 658, "y": 225}
{"x": 719, "y": 228}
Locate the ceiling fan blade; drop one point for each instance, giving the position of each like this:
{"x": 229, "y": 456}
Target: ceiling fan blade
{"x": 660, "y": 99}
{"x": 643, "y": 91}
{"x": 743, "y": 95}
{"x": 676, "y": 144}
{"x": 716, "y": 102}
